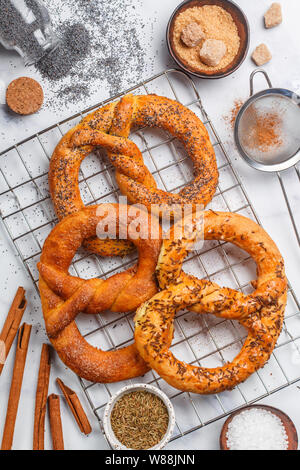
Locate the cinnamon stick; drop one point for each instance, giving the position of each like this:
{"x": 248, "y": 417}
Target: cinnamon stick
{"x": 41, "y": 398}
{"x": 55, "y": 422}
{"x": 12, "y": 324}
{"x": 75, "y": 407}
{"x": 16, "y": 385}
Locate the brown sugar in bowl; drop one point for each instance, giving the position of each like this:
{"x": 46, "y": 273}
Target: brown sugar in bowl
{"x": 243, "y": 29}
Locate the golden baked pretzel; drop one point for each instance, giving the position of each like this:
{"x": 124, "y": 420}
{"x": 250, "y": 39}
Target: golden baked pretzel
{"x": 109, "y": 127}
{"x": 261, "y": 312}
{"x": 64, "y": 296}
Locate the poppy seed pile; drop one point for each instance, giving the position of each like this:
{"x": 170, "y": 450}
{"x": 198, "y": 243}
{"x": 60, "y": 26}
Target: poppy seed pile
{"x": 74, "y": 45}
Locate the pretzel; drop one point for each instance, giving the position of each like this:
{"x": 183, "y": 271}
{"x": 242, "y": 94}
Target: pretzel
{"x": 64, "y": 296}
{"x": 109, "y": 127}
{"x": 261, "y": 312}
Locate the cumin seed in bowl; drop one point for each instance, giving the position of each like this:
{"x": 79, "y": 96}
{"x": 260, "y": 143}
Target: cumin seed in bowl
{"x": 138, "y": 418}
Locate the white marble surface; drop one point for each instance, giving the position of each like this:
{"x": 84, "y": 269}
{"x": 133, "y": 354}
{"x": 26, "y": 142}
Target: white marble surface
{"x": 263, "y": 189}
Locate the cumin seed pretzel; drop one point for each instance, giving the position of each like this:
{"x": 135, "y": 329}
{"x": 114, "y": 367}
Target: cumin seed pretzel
{"x": 64, "y": 296}
{"x": 109, "y": 127}
{"x": 261, "y": 312}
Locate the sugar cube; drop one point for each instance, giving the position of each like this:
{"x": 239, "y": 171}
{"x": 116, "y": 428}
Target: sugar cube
{"x": 212, "y": 52}
{"x": 273, "y": 16}
{"x": 192, "y": 34}
{"x": 261, "y": 55}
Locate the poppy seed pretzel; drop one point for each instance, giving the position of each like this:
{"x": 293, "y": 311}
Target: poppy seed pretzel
{"x": 109, "y": 127}
{"x": 261, "y": 312}
{"x": 64, "y": 296}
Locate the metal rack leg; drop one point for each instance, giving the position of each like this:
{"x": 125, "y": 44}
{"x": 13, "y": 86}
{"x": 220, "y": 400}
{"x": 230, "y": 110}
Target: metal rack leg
{"x": 289, "y": 207}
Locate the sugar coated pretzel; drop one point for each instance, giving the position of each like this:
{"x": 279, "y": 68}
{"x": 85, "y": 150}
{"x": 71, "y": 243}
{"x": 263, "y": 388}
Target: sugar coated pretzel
{"x": 109, "y": 127}
{"x": 261, "y": 312}
{"x": 64, "y": 296}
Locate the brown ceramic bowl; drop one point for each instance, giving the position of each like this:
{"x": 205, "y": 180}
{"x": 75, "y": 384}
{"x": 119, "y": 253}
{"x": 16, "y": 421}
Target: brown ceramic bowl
{"x": 243, "y": 30}
{"x": 285, "y": 419}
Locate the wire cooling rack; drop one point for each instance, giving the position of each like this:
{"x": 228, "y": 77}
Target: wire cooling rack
{"x": 28, "y": 216}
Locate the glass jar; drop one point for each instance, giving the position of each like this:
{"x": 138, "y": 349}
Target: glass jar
{"x": 25, "y": 26}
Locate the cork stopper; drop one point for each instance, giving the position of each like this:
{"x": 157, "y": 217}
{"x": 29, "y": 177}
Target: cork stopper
{"x": 24, "y": 96}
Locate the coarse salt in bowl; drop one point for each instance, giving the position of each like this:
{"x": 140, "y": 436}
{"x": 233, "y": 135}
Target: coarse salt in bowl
{"x": 259, "y": 427}
{"x": 110, "y": 435}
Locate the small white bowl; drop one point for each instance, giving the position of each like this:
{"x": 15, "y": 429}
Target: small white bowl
{"x": 114, "y": 442}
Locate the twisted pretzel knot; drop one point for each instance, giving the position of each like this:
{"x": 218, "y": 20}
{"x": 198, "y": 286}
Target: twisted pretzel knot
{"x": 109, "y": 127}
{"x": 64, "y": 296}
{"x": 261, "y": 312}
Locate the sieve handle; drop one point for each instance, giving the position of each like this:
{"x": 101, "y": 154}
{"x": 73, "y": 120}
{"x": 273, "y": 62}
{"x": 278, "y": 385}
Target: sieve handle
{"x": 255, "y": 72}
{"x": 288, "y": 206}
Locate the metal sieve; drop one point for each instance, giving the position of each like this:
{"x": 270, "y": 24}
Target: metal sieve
{"x": 283, "y": 151}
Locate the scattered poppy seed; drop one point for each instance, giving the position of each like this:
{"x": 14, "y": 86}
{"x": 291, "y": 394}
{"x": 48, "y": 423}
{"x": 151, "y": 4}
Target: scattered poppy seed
{"x": 107, "y": 49}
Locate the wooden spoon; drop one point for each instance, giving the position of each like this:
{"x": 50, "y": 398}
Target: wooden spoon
{"x": 286, "y": 421}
